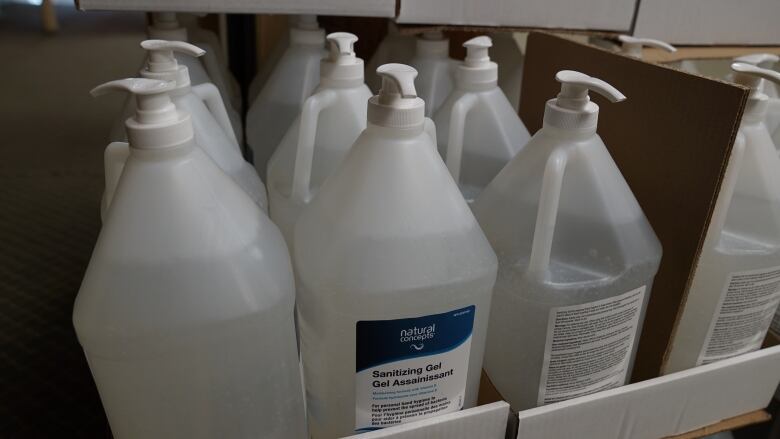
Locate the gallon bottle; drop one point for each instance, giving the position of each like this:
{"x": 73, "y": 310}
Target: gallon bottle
{"x": 632, "y": 46}
{"x": 435, "y": 69}
{"x": 280, "y": 100}
{"x": 165, "y": 26}
{"x": 510, "y": 61}
{"x": 316, "y": 143}
{"x": 185, "y": 312}
{"x": 576, "y": 258}
{"x": 394, "y": 48}
{"x": 209, "y": 118}
{"x": 395, "y": 278}
{"x": 478, "y": 131}
{"x": 736, "y": 288}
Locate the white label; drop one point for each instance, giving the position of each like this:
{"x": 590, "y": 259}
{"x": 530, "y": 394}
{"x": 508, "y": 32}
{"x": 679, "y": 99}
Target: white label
{"x": 747, "y": 306}
{"x": 589, "y": 346}
{"x": 410, "y": 369}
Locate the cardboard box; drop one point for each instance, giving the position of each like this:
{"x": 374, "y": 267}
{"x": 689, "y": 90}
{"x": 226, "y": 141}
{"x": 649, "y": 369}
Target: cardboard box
{"x": 746, "y": 22}
{"x": 364, "y": 8}
{"x": 611, "y": 15}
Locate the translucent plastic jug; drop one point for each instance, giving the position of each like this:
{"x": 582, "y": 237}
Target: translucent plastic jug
{"x": 279, "y": 102}
{"x": 736, "y": 287}
{"x": 209, "y": 118}
{"x": 394, "y": 48}
{"x": 394, "y": 278}
{"x": 316, "y": 143}
{"x": 185, "y": 312}
{"x": 478, "y": 131}
{"x": 576, "y": 259}
{"x": 435, "y": 70}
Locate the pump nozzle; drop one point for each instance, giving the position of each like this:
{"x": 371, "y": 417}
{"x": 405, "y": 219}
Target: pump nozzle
{"x": 632, "y": 46}
{"x": 763, "y": 60}
{"x": 397, "y": 104}
{"x": 477, "y": 51}
{"x": 397, "y": 81}
{"x": 161, "y": 54}
{"x": 751, "y": 76}
{"x": 342, "y": 47}
{"x": 575, "y": 87}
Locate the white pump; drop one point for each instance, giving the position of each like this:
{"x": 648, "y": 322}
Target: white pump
{"x": 572, "y": 108}
{"x": 317, "y": 141}
{"x": 767, "y": 61}
{"x": 753, "y": 77}
{"x": 435, "y": 69}
{"x": 632, "y": 46}
{"x": 478, "y": 130}
{"x": 396, "y": 105}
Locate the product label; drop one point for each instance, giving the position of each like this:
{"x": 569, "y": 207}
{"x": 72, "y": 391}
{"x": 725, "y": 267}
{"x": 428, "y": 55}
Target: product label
{"x": 747, "y": 306}
{"x": 589, "y": 346}
{"x": 409, "y": 369}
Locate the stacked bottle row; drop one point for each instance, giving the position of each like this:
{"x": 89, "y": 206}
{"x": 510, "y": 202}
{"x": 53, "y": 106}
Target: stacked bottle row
{"x": 418, "y": 247}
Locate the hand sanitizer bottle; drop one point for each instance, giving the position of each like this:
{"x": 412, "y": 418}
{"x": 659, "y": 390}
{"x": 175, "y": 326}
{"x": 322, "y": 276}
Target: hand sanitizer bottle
{"x": 632, "y": 46}
{"x": 736, "y": 287}
{"x": 478, "y": 131}
{"x": 280, "y": 100}
{"x": 576, "y": 258}
{"x": 435, "y": 69}
{"x": 185, "y": 312}
{"x": 210, "y": 121}
{"x": 165, "y": 26}
{"x": 316, "y": 143}
{"x": 395, "y": 278}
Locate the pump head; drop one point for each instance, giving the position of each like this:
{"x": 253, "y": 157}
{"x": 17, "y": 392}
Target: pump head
{"x": 396, "y": 105}
{"x": 632, "y": 46}
{"x": 572, "y": 107}
{"x": 341, "y": 67}
{"x": 477, "y": 70}
{"x": 156, "y": 123}
{"x": 751, "y": 76}
{"x": 763, "y": 60}
{"x": 161, "y": 62}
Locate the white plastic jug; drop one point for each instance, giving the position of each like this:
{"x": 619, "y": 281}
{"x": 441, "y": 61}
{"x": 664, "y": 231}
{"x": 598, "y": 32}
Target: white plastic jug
{"x": 435, "y": 69}
{"x": 209, "y": 118}
{"x": 319, "y": 139}
{"x": 394, "y": 278}
{"x": 736, "y": 287}
{"x": 394, "y": 48}
{"x": 478, "y": 130}
{"x": 165, "y": 26}
{"x": 510, "y": 60}
{"x": 632, "y": 46}
{"x": 279, "y": 102}
{"x": 576, "y": 258}
{"x": 185, "y": 312}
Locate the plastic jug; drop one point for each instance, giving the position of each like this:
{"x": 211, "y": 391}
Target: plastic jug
{"x": 316, "y": 143}
{"x": 185, "y": 312}
{"x": 267, "y": 65}
{"x": 165, "y": 26}
{"x": 576, "y": 258}
{"x": 209, "y": 118}
{"x": 510, "y": 62}
{"x": 279, "y": 102}
{"x": 736, "y": 288}
{"x": 435, "y": 69}
{"x": 394, "y": 48}
{"x": 394, "y": 278}
{"x": 478, "y": 130}
{"x": 767, "y": 61}
{"x": 632, "y": 46}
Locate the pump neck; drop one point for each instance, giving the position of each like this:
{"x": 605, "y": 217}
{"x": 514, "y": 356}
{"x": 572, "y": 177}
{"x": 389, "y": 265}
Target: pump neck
{"x": 408, "y": 132}
{"x": 307, "y": 37}
{"x": 180, "y": 76}
{"x": 172, "y": 34}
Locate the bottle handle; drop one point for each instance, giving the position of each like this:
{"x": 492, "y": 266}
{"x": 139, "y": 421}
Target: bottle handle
{"x": 546, "y": 215}
{"x": 460, "y": 110}
{"x": 727, "y": 188}
{"x": 307, "y": 132}
{"x": 209, "y": 94}
{"x": 114, "y": 159}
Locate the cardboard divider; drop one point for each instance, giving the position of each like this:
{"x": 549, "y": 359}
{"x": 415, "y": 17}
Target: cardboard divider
{"x": 671, "y": 140}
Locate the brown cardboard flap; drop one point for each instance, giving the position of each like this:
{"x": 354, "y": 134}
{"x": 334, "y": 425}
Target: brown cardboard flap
{"x": 726, "y": 425}
{"x": 671, "y": 140}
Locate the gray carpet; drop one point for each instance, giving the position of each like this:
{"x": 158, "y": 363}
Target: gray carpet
{"x": 52, "y": 134}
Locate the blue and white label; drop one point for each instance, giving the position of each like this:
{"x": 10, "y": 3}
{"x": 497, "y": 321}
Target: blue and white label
{"x": 410, "y": 369}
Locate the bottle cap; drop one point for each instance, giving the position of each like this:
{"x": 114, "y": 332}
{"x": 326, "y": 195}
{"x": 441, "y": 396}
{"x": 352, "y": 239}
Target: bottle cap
{"x": 156, "y": 123}
{"x": 161, "y": 62}
{"x": 632, "y": 46}
{"x": 396, "y": 105}
{"x": 341, "y": 67}
{"x": 572, "y": 108}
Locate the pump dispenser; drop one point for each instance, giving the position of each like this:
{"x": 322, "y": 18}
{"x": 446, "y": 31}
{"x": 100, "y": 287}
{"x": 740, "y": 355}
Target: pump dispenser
{"x": 292, "y": 80}
{"x": 632, "y": 46}
{"x": 767, "y": 61}
{"x": 574, "y": 248}
{"x": 166, "y": 26}
{"x": 209, "y": 117}
{"x": 189, "y": 284}
{"x": 317, "y": 141}
{"x": 733, "y": 295}
{"x": 389, "y": 247}
{"x": 478, "y": 130}
{"x": 435, "y": 69}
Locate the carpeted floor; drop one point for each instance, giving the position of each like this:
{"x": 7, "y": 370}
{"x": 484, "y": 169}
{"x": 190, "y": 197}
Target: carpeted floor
{"x": 52, "y": 134}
